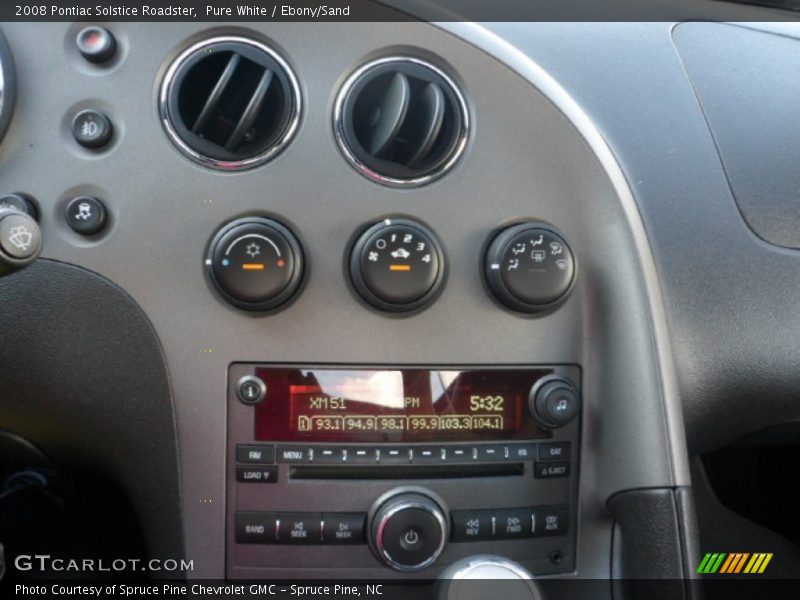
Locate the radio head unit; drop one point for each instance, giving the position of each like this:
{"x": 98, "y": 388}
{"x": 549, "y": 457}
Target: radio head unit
{"x": 381, "y": 470}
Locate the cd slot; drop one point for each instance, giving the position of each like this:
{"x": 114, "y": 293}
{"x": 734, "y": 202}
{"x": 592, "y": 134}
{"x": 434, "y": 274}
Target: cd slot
{"x": 510, "y": 469}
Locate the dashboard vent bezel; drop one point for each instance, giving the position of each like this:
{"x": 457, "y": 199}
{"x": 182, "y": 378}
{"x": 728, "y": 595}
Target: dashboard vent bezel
{"x": 355, "y": 153}
{"x": 177, "y": 131}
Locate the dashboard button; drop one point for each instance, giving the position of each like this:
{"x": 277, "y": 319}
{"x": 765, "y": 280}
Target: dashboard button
{"x": 92, "y": 129}
{"x": 255, "y": 454}
{"x": 459, "y": 453}
{"x": 257, "y": 474}
{"x": 397, "y": 265}
{"x": 491, "y": 453}
{"x": 551, "y": 470}
{"x": 86, "y": 215}
{"x": 521, "y": 451}
{"x": 327, "y": 455}
{"x": 398, "y": 455}
{"x": 343, "y": 528}
{"x": 472, "y": 525}
{"x": 362, "y": 455}
{"x": 299, "y": 528}
{"x": 255, "y": 263}
{"x": 294, "y": 454}
{"x": 96, "y": 44}
{"x": 256, "y": 527}
{"x": 426, "y": 454}
{"x": 554, "y": 451}
{"x": 551, "y": 521}
{"x": 20, "y": 202}
{"x": 251, "y": 389}
{"x": 20, "y": 237}
{"x": 513, "y": 523}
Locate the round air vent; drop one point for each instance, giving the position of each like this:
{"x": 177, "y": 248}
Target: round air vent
{"x": 230, "y": 103}
{"x": 401, "y": 121}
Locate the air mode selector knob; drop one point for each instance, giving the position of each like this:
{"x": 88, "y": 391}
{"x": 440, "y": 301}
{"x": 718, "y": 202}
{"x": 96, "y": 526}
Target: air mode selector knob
{"x": 255, "y": 263}
{"x": 554, "y": 401}
{"x": 529, "y": 267}
{"x": 408, "y": 531}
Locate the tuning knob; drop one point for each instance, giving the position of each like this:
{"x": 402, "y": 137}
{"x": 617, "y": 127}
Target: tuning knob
{"x": 20, "y": 240}
{"x": 408, "y": 531}
{"x": 554, "y": 401}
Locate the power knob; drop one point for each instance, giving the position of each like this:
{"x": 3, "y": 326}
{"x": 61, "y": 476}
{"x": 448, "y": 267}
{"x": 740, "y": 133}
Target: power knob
{"x": 408, "y": 530}
{"x": 554, "y": 401}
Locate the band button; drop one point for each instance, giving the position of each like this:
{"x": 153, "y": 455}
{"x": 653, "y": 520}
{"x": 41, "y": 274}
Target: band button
{"x": 255, "y": 527}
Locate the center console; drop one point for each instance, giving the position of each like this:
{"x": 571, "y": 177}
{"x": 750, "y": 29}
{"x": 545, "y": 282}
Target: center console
{"x": 400, "y": 469}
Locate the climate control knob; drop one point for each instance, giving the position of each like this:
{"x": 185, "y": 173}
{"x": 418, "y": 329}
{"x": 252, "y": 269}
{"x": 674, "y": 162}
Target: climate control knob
{"x": 529, "y": 267}
{"x": 408, "y": 530}
{"x": 397, "y": 265}
{"x": 255, "y": 263}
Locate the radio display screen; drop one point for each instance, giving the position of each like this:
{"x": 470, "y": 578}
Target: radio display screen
{"x": 396, "y": 405}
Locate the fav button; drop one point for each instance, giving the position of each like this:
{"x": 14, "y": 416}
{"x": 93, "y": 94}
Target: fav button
{"x": 86, "y": 215}
{"x": 255, "y": 454}
{"x": 91, "y": 129}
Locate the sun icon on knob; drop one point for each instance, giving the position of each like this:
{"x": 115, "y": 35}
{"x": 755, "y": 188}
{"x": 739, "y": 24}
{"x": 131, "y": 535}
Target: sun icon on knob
{"x": 253, "y": 249}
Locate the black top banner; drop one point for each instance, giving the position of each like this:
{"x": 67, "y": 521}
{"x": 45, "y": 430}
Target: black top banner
{"x": 398, "y": 10}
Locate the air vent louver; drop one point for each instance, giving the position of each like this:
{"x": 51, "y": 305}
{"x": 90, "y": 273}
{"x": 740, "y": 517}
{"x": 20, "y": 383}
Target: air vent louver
{"x": 230, "y": 103}
{"x": 401, "y": 121}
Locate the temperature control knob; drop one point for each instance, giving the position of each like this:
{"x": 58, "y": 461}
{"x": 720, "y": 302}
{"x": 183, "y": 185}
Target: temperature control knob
{"x": 529, "y": 267}
{"x": 255, "y": 263}
{"x": 397, "y": 265}
{"x": 408, "y": 530}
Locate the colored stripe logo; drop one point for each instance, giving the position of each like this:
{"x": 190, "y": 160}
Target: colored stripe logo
{"x": 734, "y": 563}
